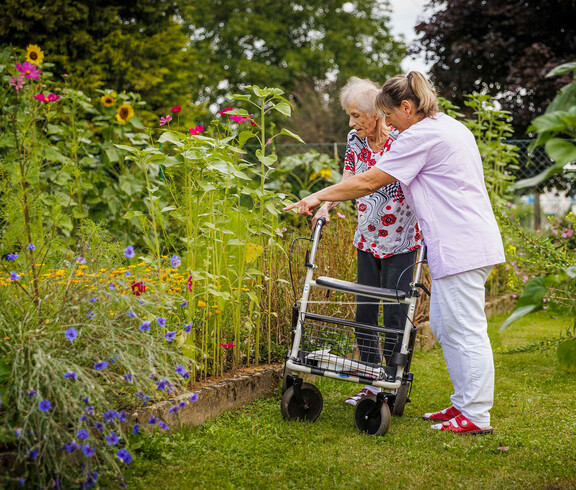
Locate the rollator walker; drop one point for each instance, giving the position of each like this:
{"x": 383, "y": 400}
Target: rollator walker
{"x": 350, "y": 351}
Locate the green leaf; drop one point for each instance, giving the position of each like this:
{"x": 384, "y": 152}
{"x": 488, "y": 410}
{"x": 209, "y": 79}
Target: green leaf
{"x": 283, "y": 108}
{"x": 132, "y": 214}
{"x": 240, "y": 97}
{"x": 171, "y": 137}
{"x": 561, "y": 151}
{"x": 538, "y": 179}
{"x": 130, "y": 149}
{"x": 136, "y": 123}
{"x": 244, "y": 136}
{"x": 567, "y": 355}
{"x": 292, "y": 135}
{"x": 561, "y": 69}
{"x": 518, "y": 313}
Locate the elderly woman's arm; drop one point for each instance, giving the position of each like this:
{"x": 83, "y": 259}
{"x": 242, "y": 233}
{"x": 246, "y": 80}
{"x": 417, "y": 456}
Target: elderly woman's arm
{"x": 357, "y": 186}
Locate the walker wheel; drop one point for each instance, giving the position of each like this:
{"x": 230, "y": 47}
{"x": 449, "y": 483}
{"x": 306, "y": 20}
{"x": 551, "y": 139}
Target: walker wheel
{"x": 372, "y": 423}
{"x": 400, "y": 400}
{"x": 309, "y": 406}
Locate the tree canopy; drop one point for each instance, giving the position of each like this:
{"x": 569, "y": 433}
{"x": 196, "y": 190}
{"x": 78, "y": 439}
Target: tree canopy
{"x": 502, "y": 48}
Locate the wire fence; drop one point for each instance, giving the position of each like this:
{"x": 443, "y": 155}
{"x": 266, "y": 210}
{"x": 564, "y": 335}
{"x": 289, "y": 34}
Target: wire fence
{"x": 556, "y": 198}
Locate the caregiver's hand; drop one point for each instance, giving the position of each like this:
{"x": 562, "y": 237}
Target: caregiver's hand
{"x": 305, "y": 206}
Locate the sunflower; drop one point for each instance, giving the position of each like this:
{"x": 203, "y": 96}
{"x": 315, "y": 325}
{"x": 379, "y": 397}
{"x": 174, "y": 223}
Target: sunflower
{"x": 108, "y": 100}
{"x": 34, "y": 54}
{"x": 125, "y": 112}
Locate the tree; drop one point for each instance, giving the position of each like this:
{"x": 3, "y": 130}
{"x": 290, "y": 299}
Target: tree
{"x": 298, "y": 46}
{"x": 502, "y": 48}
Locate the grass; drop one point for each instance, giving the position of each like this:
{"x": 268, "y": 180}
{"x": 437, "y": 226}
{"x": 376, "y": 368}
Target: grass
{"x": 532, "y": 447}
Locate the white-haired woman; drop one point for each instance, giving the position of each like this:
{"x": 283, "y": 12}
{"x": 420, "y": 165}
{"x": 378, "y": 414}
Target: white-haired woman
{"x": 387, "y": 235}
{"x": 436, "y": 159}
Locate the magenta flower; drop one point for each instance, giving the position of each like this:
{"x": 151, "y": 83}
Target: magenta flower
{"x": 165, "y": 120}
{"x": 42, "y": 98}
{"x": 176, "y": 109}
{"x": 189, "y": 281}
{"x": 197, "y": 130}
{"x": 224, "y": 111}
{"x": 17, "y": 81}
{"x": 29, "y": 70}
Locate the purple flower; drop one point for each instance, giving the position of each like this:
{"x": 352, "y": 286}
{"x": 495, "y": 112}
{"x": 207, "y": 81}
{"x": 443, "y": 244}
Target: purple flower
{"x": 112, "y": 286}
{"x": 12, "y": 256}
{"x": 112, "y": 439}
{"x": 81, "y": 260}
{"x": 22, "y": 480}
{"x": 88, "y": 451}
{"x": 127, "y": 273}
{"x": 122, "y": 416}
{"x": 131, "y": 314}
{"x": 45, "y": 405}
{"x": 99, "y": 426}
{"x": 129, "y": 377}
{"x": 183, "y": 304}
{"x": 18, "y": 432}
{"x": 173, "y": 409}
{"x": 71, "y": 375}
{"x": 161, "y": 321}
{"x": 32, "y": 393}
{"x": 71, "y": 446}
{"x": 31, "y": 246}
{"x": 86, "y": 399}
{"x": 94, "y": 300}
{"x": 89, "y": 410}
{"x": 145, "y": 326}
{"x": 82, "y": 434}
{"x": 188, "y": 327}
{"x": 14, "y": 276}
{"x": 33, "y": 454}
{"x": 194, "y": 397}
{"x": 110, "y": 415}
{"x": 152, "y": 420}
{"x": 170, "y": 336}
{"x": 129, "y": 252}
{"x": 91, "y": 314}
{"x": 163, "y": 426}
{"x": 182, "y": 404}
{"x": 180, "y": 369}
{"x": 71, "y": 334}
{"x": 175, "y": 261}
{"x": 99, "y": 366}
{"x": 136, "y": 428}
{"x": 124, "y": 456}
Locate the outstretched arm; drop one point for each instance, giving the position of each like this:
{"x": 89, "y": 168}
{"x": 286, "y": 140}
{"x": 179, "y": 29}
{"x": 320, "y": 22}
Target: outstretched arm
{"x": 357, "y": 186}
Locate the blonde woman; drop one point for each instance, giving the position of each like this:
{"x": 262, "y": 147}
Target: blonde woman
{"x": 437, "y": 161}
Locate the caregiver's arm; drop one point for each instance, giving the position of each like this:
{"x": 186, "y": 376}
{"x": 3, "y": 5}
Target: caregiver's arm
{"x": 357, "y": 186}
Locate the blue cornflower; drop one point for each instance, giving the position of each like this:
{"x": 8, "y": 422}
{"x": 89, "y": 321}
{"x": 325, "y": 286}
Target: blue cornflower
{"x": 180, "y": 369}
{"x": 14, "y": 276}
{"x": 80, "y": 260}
{"x": 124, "y": 456}
{"x": 32, "y": 393}
{"x": 88, "y": 451}
{"x": 152, "y": 420}
{"x": 82, "y": 434}
{"x": 183, "y": 304}
{"x": 129, "y": 252}
{"x": 182, "y": 404}
{"x": 86, "y": 399}
{"x": 21, "y": 481}
{"x": 129, "y": 377}
{"x": 91, "y": 479}
{"x": 131, "y": 314}
{"x": 71, "y": 334}
{"x": 145, "y": 326}
{"x": 136, "y": 428}
{"x": 122, "y": 416}
{"x": 110, "y": 415}
{"x": 71, "y": 375}
{"x": 83, "y": 417}
{"x": 111, "y": 286}
{"x": 121, "y": 481}
{"x": 89, "y": 410}
{"x": 71, "y": 446}
{"x": 91, "y": 314}
{"x": 99, "y": 426}
{"x": 45, "y": 405}
{"x": 127, "y": 273}
{"x": 173, "y": 409}
{"x": 160, "y": 385}
{"x": 18, "y": 432}
{"x": 31, "y": 246}
{"x": 99, "y": 366}
{"x": 94, "y": 300}
{"x": 12, "y": 256}
{"x": 163, "y": 426}
{"x": 188, "y": 327}
{"x": 112, "y": 439}
{"x": 175, "y": 261}
{"x": 161, "y": 321}
{"x": 33, "y": 454}
{"x": 194, "y": 397}
{"x": 170, "y": 336}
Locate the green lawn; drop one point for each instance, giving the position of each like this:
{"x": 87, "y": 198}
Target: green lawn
{"x": 533, "y": 444}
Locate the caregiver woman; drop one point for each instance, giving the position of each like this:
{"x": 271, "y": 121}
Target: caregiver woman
{"x": 437, "y": 161}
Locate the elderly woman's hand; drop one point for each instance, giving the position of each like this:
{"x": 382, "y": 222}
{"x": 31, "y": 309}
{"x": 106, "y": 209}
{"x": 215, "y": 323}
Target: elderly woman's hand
{"x": 321, "y": 213}
{"x": 305, "y": 206}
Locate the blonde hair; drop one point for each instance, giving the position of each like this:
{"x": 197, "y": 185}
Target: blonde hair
{"x": 413, "y": 87}
{"x": 360, "y": 93}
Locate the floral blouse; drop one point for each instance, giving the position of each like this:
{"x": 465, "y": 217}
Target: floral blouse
{"x": 386, "y": 224}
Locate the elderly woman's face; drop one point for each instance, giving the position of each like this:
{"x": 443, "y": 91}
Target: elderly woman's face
{"x": 364, "y": 124}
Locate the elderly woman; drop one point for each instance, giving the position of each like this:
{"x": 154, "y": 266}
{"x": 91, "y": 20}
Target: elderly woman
{"x": 436, "y": 159}
{"x": 387, "y": 235}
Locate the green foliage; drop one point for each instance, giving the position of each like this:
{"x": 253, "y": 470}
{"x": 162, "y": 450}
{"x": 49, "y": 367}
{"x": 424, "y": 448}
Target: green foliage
{"x": 556, "y": 129}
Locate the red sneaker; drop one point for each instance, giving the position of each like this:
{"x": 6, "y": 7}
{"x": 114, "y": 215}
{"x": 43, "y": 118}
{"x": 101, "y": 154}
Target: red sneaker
{"x": 461, "y": 425}
{"x": 442, "y": 415}
{"x": 353, "y": 400}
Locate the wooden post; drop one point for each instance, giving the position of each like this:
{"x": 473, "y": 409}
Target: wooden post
{"x": 537, "y": 210}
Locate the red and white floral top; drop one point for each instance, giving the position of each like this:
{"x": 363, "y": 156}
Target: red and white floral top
{"x": 386, "y": 224}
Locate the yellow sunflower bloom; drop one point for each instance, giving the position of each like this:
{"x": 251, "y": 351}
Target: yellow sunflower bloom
{"x": 108, "y": 100}
{"x": 34, "y": 54}
{"x": 125, "y": 112}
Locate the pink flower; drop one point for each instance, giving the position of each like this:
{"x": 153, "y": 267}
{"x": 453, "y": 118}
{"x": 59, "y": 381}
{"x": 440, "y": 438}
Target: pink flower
{"x": 176, "y": 109}
{"x": 165, "y": 120}
{"x": 269, "y": 141}
{"x": 17, "y": 81}
{"x": 227, "y": 346}
{"x": 29, "y": 70}
{"x": 340, "y": 215}
{"x": 189, "y": 281}
{"x": 53, "y": 98}
{"x": 239, "y": 119}
{"x": 42, "y": 98}
{"x": 224, "y": 111}
{"x": 197, "y": 130}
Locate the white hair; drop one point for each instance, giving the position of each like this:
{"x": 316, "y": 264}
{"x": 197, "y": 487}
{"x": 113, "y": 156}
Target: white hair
{"x": 360, "y": 93}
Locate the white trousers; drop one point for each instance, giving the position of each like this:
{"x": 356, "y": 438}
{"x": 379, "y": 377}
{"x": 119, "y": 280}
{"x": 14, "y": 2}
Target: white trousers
{"x": 458, "y": 322}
